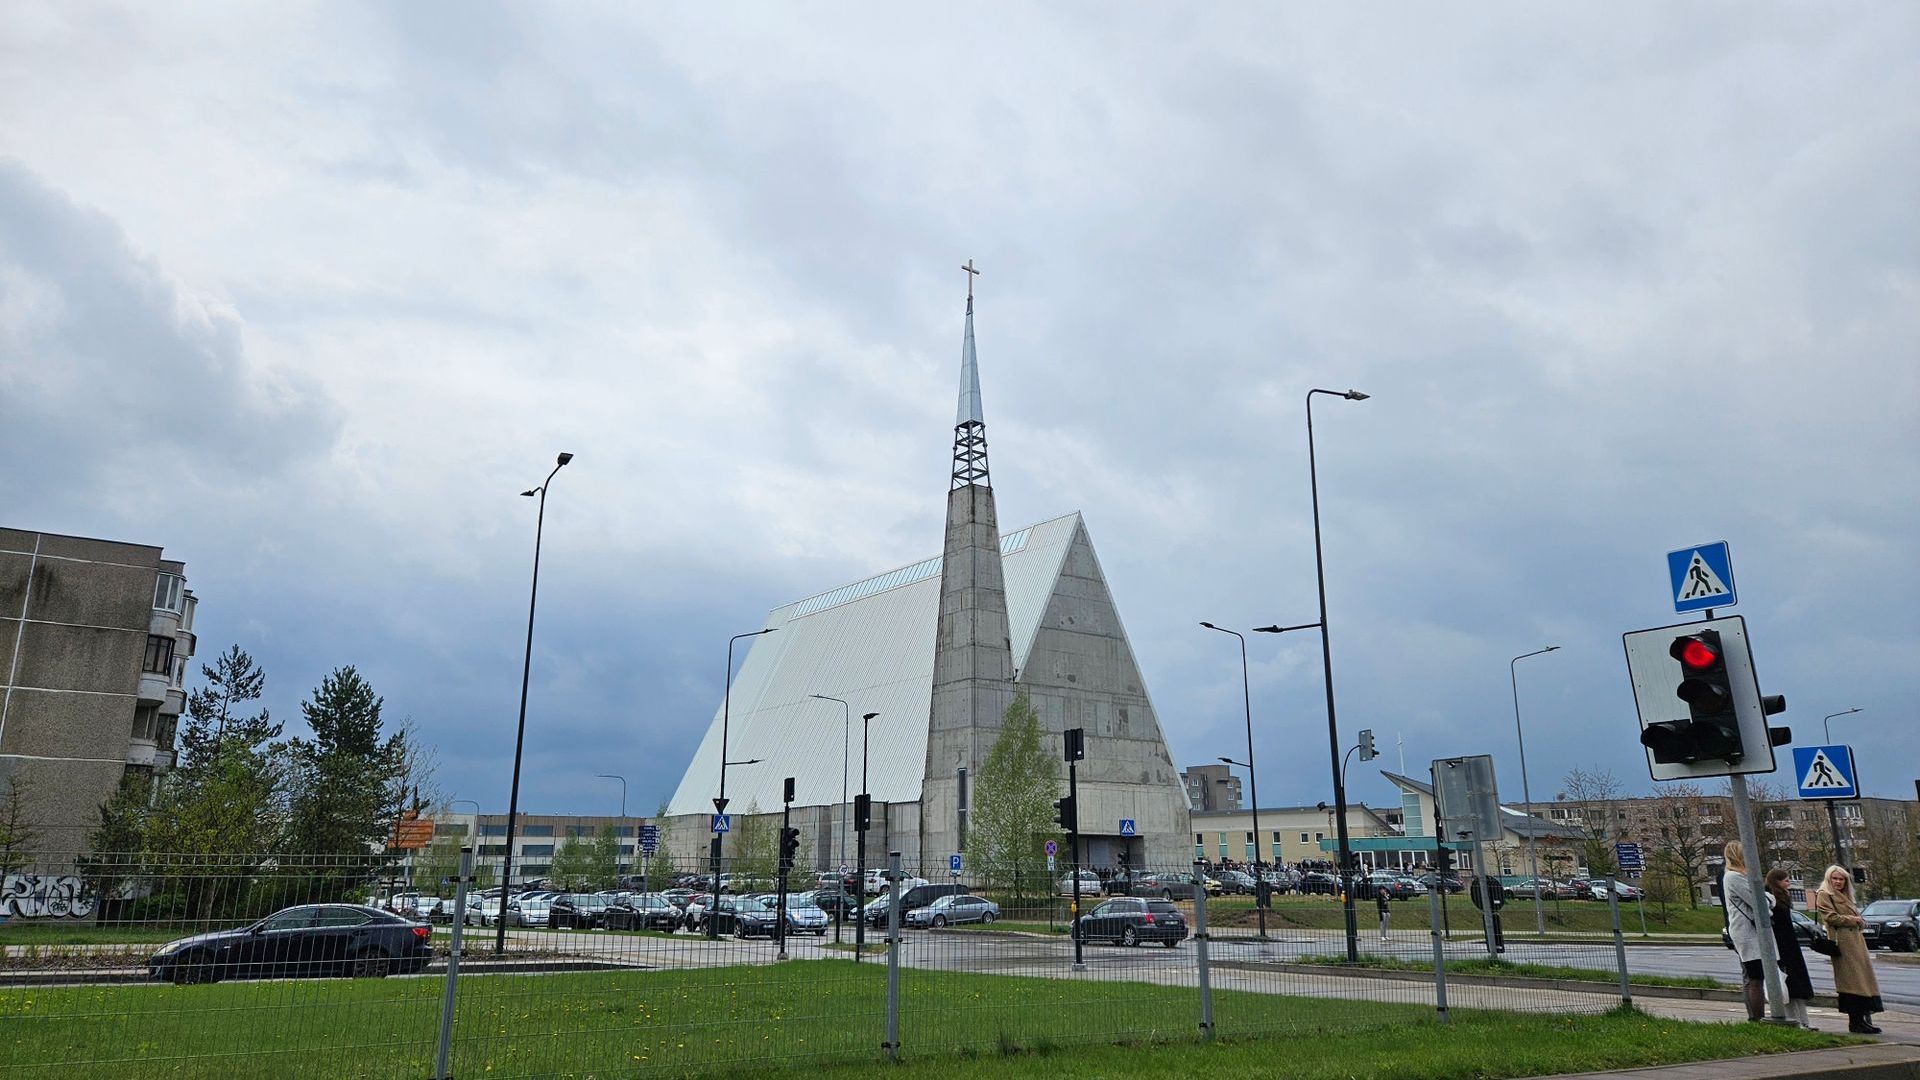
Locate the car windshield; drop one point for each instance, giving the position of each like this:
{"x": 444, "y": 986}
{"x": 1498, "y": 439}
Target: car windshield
{"x": 1887, "y": 907}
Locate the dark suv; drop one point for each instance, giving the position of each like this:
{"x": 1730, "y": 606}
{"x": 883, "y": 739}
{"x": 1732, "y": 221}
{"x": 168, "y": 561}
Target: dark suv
{"x": 917, "y": 897}
{"x": 1894, "y": 924}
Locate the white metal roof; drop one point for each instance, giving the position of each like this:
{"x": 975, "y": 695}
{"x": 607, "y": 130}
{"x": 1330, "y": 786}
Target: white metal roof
{"x": 870, "y": 642}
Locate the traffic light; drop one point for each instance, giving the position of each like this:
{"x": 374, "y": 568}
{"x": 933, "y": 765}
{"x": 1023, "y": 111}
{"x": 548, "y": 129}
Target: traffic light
{"x": 1443, "y": 861}
{"x": 1074, "y": 745}
{"x": 1367, "y": 752}
{"x": 789, "y": 848}
{"x": 1066, "y": 814}
{"x": 1712, "y": 731}
{"x": 862, "y": 812}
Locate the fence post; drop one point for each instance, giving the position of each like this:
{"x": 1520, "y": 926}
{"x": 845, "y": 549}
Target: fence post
{"x": 453, "y": 964}
{"x": 1436, "y": 907}
{"x": 1619, "y": 944}
{"x": 1200, "y": 946}
{"x": 893, "y": 955}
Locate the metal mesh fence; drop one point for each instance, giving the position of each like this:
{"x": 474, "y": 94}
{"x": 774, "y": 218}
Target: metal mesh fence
{"x": 146, "y": 965}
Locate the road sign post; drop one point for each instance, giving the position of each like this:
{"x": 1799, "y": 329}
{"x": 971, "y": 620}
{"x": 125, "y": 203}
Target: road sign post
{"x": 1702, "y": 577}
{"x": 1627, "y": 856}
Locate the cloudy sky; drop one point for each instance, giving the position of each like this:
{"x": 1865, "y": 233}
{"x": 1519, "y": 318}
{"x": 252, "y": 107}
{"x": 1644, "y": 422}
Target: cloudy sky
{"x": 309, "y": 295}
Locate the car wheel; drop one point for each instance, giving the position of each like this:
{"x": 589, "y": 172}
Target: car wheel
{"x": 939, "y": 921}
{"x": 988, "y": 917}
{"x": 1129, "y": 937}
{"x": 1166, "y": 894}
{"x": 370, "y": 964}
{"x": 192, "y": 969}
{"x": 1169, "y": 943}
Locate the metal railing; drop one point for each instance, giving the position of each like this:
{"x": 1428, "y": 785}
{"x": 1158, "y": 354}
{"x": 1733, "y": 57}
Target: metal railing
{"x": 327, "y": 966}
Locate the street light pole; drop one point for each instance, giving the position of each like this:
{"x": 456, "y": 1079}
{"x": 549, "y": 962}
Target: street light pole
{"x": 1833, "y": 815}
{"x": 1253, "y": 779}
{"x": 520, "y": 733}
{"x": 1533, "y": 852}
{"x": 860, "y": 863}
{"x": 846, "y": 809}
{"x": 720, "y": 804}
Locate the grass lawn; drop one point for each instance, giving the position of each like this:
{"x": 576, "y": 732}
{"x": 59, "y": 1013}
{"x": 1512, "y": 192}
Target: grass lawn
{"x": 1485, "y": 966}
{"x": 16, "y": 932}
{"x": 807, "y": 1017}
{"x": 1579, "y": 916}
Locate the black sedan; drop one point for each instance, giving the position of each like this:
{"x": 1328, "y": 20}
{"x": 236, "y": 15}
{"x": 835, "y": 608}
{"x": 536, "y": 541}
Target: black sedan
{"x": 1130, "y": 921}
{"x": 641, "y": 911}
{"x": 1892, "y": 924}
{"x": 742, "y": 917}
{"x": 313, "y": 939}
{"x": 1313, "y": 881}
{"x": 579, "y": 911}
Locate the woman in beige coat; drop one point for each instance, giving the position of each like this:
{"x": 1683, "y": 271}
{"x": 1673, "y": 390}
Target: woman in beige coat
{"x": 1853, "y": 979}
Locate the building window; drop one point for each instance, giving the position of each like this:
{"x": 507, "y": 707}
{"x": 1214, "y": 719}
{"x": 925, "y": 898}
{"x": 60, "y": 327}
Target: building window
{"x": 538, "y": 851}
{"x": 444, "y": 829}
{"x": 146, "y": 722}
{"x": 159, "y": 655}
{"x": 1199, "y": 840}
{"x": 1319, "y": 836}
{"x": 166, "y": 593}
{"x": 537, "y": 830}
{"x": 1303, "y": 838}
{"x": 1221, "y": 838}
{"x": 493, "y": 830}
{"x": 493, "y": 849}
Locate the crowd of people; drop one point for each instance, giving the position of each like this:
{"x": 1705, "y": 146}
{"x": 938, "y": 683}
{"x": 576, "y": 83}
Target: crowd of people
{"x": 1857, "y": 990}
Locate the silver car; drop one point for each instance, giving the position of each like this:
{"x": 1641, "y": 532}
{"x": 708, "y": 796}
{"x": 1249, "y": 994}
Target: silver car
{"x": 958, "y": 908}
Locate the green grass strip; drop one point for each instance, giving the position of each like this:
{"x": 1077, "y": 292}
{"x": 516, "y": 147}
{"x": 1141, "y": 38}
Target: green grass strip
{"x": 1520, "y": 969}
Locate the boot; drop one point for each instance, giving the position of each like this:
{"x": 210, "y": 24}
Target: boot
{"x": 1858, "y": 1024}
{"x": 1756, "y": 1000}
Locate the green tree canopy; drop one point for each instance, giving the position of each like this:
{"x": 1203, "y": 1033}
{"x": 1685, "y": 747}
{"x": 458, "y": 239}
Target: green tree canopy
{"x": 345, "y": 786}
{"x": 1012, "y": 817}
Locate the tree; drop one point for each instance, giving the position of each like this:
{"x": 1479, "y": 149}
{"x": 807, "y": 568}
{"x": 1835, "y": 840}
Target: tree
{"x": 755, "y": 846}
{"x": 1892, "y": 844}
{"x": 1598, "y": 793}
{"x": 659, "y": 868}
{"x": 346, "y": 781}
{"x": 1013, "y": 813}
{"x": 588, "y": 864}
{"x": 1680, "y": 845}
{"x": 213, "y": 719}
{"x": 19, "y": 838}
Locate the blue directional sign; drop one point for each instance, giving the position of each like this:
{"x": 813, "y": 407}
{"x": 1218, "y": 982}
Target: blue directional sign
{"x": 1702, "y": 577}
{"x": 722, "y": 823}
{"x": 649, "y": 839}
{"x": 1126, "y": 827}
{"x": 953, "y": 863}
{"x": 1628, "y": 857}
{"x": 1825, "y": 772}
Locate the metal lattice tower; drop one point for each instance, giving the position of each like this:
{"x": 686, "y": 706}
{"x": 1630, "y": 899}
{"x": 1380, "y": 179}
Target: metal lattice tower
{"x": 970, "y": 428}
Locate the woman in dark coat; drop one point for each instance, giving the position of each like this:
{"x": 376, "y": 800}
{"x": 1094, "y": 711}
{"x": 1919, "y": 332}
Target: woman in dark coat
{"x": 1793, "y": 966}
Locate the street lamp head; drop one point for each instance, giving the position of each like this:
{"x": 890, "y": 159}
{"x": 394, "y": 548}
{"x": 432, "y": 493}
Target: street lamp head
{"x": 767, "y": 630}
{"x": 1355, "y": 395}
{"x": 868, "y": 716}
{"x": 1209, "y": 625}
{"x": 1227, "y": 761}
{"x": 1550, "y": 648}
{"x": 564, "y": 458}
{"x": 531, "y": 492}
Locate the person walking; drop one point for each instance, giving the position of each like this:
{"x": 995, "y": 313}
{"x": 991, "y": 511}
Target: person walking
{"x": 1386, "y": 911}
{"x": 1853, "y": 978}
{"x": 1744, "y": 928}
{"x": 1793, "y": 965}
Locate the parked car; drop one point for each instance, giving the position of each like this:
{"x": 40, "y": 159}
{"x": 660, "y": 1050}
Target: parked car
{"x": 483, "y": 910}
{"x": 741, "y": 916}
{"x": 312, "y": 939}
{"x": 1131, "y": 920}
{"x": 1438, "y": 881}
{"x": 641, "y": 911}
{"x": 1280, "y": 879}
{"x": 525, "y": 912}
{"x": 1804, "y": 929}
{"x": 954, "y": 908}
{"x": 919, "y": 896}
{"x": 1571, "y": 890}
{"x": 1395, "y": 886}
{"x": 1318, "y": 881}
{"x": 1090, "y": 884}
{"x": 1169, "y": 886}
{"x": 579, "y": 911}
{"x": 806, "y": 917}
{"x": 1597, "y": 889}
{"x": 834, "y": 900}
{"x": 1892, "y": 923}
{"x": 1235, "y": 883}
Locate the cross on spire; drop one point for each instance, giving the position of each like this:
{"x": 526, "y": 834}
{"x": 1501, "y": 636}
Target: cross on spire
{"x": 971, "y": 274}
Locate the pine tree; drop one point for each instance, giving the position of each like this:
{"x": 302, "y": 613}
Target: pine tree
{"x": 213, "y": 719}
{"x": 19, "y": 839}
{"x": 345, "y": 786}
{"x": 1012, "y": 816}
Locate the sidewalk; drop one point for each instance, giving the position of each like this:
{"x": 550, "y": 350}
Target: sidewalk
{"x": 1879, "y": 1061}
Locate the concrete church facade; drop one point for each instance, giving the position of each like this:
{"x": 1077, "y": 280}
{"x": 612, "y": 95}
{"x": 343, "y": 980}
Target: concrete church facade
{"x": 938, "y": 650}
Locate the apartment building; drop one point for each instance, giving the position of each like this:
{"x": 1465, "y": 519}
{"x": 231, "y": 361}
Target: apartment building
{"x": 95, "y": 640}
{"x": 535, "y": 838}
{"x": 1211, "y": 787}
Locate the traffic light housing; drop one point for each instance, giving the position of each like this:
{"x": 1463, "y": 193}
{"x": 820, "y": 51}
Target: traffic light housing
{"x": 1074, "y": 744}
{"x": 1712, "y": 730}
{"x": 862, "y": 812}
{"x": 1443, "y": 860}
{"x": 1066, "y": 814}
{"x": 789, "y": 848}
{"x": 1367, "y": 752}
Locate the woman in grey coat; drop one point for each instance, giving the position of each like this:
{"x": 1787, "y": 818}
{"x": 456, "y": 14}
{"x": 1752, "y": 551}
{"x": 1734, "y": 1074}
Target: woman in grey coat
{"x": 1745, "y": 926}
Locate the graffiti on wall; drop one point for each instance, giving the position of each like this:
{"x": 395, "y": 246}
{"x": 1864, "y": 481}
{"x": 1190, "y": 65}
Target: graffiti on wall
{"x": 50, "y": 896}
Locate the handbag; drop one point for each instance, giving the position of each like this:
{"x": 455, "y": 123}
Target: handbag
{"x": 1823, "y": 945}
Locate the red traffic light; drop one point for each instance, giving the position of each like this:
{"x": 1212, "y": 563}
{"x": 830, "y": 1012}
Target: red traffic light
{"x": 1696, "y": 654}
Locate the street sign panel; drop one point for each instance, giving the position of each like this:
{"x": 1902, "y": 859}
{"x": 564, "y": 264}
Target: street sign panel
{"x": 1126, "y": 827}
{"x": 1628, "y": 857}
{"x": 1053, "y": 848}
{"x": 1825, "y": 772}
{"x": 722, "y": 823}
{"x": 1656, "y": 675}
{"x": 953, "y": 863}
{"x": 649, "y": 839}
{"x": 1702, "y": 577}
{"x": 1467, "y": 797}
{"x": 1049, "y": 862}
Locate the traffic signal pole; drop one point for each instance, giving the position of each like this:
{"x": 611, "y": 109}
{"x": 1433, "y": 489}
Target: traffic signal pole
{"x": 1073, "y": 840}
{"x": 1757, "y": 885}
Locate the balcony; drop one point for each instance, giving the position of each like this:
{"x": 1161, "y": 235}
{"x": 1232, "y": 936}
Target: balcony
{"x": 153, "y": 688}
{"x": 146, "y": 752}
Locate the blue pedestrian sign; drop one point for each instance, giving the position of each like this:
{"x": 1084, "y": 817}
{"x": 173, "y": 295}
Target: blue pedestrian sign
{"x": 1126, "y": 827}
{"x": 1702, "y": 577}
{"x": 953, "y": 863}
{"x": 1825, "y": 772}
{"x": 722, "y": 823}
{"x": 1628, "y": 857}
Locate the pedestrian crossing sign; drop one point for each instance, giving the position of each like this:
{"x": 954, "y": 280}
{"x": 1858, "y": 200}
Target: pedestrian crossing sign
{"x": 1825, "y": 772}
{"x": 1702, "y": 577}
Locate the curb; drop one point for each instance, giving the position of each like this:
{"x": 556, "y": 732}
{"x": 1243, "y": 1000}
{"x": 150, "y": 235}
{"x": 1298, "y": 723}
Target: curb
{"x": 1609, "y": 989}
{"x": 1874, "y": 1061}
{"x": 437, "y": 968}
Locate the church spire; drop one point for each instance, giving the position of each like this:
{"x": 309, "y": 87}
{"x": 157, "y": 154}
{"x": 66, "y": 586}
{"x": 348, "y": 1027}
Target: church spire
{"x": 970, "y": 428}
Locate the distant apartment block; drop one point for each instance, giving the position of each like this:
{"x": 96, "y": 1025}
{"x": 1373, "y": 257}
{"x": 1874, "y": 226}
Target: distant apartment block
{"x": 1211, "y": 787}
{"x": 95, "y": 639}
